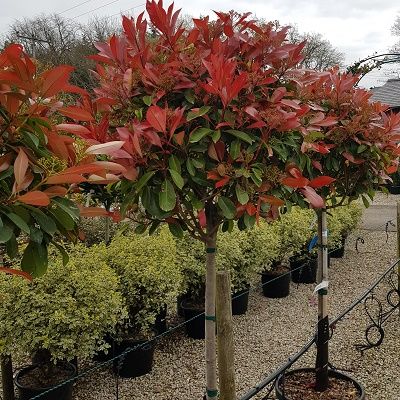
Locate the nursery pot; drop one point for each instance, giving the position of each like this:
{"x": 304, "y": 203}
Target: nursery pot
{"x": 240, "y": 301}
{"x": 339, "y": 252}
{"x": 283, "y": 394}
{"x": 27, "y": 390}
{"x": 276, "y": 283}
{"x": 160, "y": 324}
{"x": 394, "y": 189}
{"x": 179, "y": 300}
{"x": 304, "y": 270}
{"x": 136, "y": 362}
{"x": 195, "y": 328}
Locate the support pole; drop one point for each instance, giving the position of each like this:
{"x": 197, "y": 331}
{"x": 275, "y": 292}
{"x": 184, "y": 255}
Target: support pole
{"x": 226, "y": 364}
{"x": 7, "y": 378}
{"x": 321, "y": 366}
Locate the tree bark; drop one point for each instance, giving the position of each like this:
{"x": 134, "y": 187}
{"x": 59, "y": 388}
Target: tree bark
{"x": 210, "y": 337}
{"x": 321, "y": 366}
{"x": 7, "y": 377}
{"x": 226, "y": 362}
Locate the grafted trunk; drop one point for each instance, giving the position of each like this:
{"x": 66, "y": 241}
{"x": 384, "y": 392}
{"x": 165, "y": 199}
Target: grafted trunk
{"x": 7, "y": 377}
{"x": 210, "y": 337}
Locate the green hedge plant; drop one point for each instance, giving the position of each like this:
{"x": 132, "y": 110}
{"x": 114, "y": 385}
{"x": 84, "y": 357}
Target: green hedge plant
{"x": 149, "y": 278}
{"x": 65, "y": 313}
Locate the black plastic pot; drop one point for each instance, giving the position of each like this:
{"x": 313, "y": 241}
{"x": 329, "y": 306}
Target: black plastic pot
{"x": 308, "y": 271}
{"x": 276, "y": 284}
{"x": 240, "y": 302}
{"x": 136, "y": 362}
{"x": 393, "y": 189}
{"x": 179, "y": 301}
{"x": 160, "y": 324}
{"x": 333, "y": 374}
{"x": 61, "y": 393}
{"x": 195, "y": 327}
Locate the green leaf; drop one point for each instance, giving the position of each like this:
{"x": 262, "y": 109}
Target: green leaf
{"x": 234, "y": 149}
{"x": 195, "y": 114}
{"x": 241, "y": 135}
{"x": 199, "y": 134}
{"x": 5, "y": 234}
{"x": 176, "y": 230}
{"x": 12, "y": 247}
{"x": 249, "y": 220}
{"x": 144, "y": 179}
{"x": 167, "y": 196}
{"x": 256, "y": 176}
{"x": 365, "y": 201}
{"x": 189, "y": 96}
{"x": 140, "y": 228}
{"x": 227, "y": 226}
{"x": 35, "y": 259}
{"x": 68, "y": 206}
{"x": 36, "y": 235}
{"x": 7, "y": 173}
{"x": 199, "y": 164}
{"x": 216, "y": 135}
{"x": 177, "y": 178}
{"x": 147, "y": 100}
{"x": 174, "y": 164}
{"x": 361, "y": 148}
{"x": 64, "y": 254}
{"x": 227, "y": 207}
{"x": 154, "y": 226}
{"x": 241, "y": 195}
{"x": 150, "y": 203}
{"x": 44, "y": 221}
{"x": 18, "y": 221}
{"x": 31, "y": 139}
{"x": 63, "y": 218}
{"x": 190, "y": 167}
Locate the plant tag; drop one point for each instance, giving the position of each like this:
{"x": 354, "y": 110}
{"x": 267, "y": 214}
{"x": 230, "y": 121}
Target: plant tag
{"x": 313, "y": 242}
{"x": 325, "y": 234}
{"x": 322, "y": 285}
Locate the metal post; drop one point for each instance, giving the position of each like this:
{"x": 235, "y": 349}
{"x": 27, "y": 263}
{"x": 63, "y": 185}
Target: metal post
{"x": 226, "y": 364}
{"x": 321, "y": 366}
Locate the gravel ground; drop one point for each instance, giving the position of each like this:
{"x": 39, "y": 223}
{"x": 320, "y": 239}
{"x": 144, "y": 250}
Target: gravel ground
{"x": 274, "y": 329}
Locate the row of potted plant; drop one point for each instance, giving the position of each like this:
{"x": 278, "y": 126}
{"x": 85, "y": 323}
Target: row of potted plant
{"x": 113, "y": 297}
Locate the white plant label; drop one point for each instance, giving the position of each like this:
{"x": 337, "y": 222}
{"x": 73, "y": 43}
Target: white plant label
{"x": 322, "y": 285}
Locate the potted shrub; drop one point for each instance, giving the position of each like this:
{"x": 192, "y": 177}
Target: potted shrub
{"x": 149, "y": 280}
{"x": 190, "y": 301}
{"x": 231, "y": 256}
{"x": 394, "y": 186}
{"x": 70, "y": 310}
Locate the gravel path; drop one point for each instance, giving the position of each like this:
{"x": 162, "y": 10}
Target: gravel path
{"x": 272, "y": 330}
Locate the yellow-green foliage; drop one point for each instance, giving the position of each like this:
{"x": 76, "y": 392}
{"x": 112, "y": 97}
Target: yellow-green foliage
{"x": 230, "y": 256}
{"x": 261, "y": 247}
{"x": 67, "y": 311}
{"x": 147, "y": 269}
{"x": 295, "y": 229}
{"x": 191, "y": 262}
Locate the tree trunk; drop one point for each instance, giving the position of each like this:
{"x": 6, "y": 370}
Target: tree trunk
{"x": 321, "y": 367}
{"x": 398, "y": 246}
{"x": 7, "y": 377}
{"x": 226, "y": 363}
{"x": 210, "y": 337}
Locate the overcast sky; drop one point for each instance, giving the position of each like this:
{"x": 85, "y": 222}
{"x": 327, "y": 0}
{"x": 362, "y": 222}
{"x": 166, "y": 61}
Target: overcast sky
{"x": 358, "y": 28}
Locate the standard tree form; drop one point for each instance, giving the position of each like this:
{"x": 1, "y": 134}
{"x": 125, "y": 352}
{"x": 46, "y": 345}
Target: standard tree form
{"x": 218, "y": 125}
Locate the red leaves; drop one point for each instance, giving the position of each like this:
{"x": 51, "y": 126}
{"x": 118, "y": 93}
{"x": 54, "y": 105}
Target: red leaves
{"x": 315, "y": 199}
{"x": 299, "y": 182}
{"x": 92, "y": 212}
{"x": 222, "y": 182}
{"x": 77, "y": 113}
{"x": 17, "y": 272}
{"x": 201, "y": 215}
{"x": 65, "y": 178}
{"x": 20, "y": 167}
{"x": 157, "y": 118}
{"x": 105, "y": 148}
{"x": 35, "y": 198}
{"x": 321, "y": 181}
{"x": 351, "y": 158}
{"x": 55, "y": 80}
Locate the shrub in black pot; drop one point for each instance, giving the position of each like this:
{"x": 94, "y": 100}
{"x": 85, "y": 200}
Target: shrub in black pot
{"x": 71, "y": 308}
{"x": 149, "y": 281}
{"x": 276, "y": 281}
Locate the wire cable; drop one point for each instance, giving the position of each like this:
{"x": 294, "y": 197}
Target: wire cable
{"x": 95, "y": 9}
{"x": 76, "y": 6}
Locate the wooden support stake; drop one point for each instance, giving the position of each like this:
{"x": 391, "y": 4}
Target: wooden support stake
{"x": 7, "y": 378}
{"x": 398, "y": 246}
{"x": 226, "y": 364}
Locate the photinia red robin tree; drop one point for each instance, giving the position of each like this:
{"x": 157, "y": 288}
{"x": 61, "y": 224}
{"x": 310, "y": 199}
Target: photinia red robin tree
{"x": 218, "y": 126}
{"x": 210, "y": 118}
{"x": 38, "y": 164}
